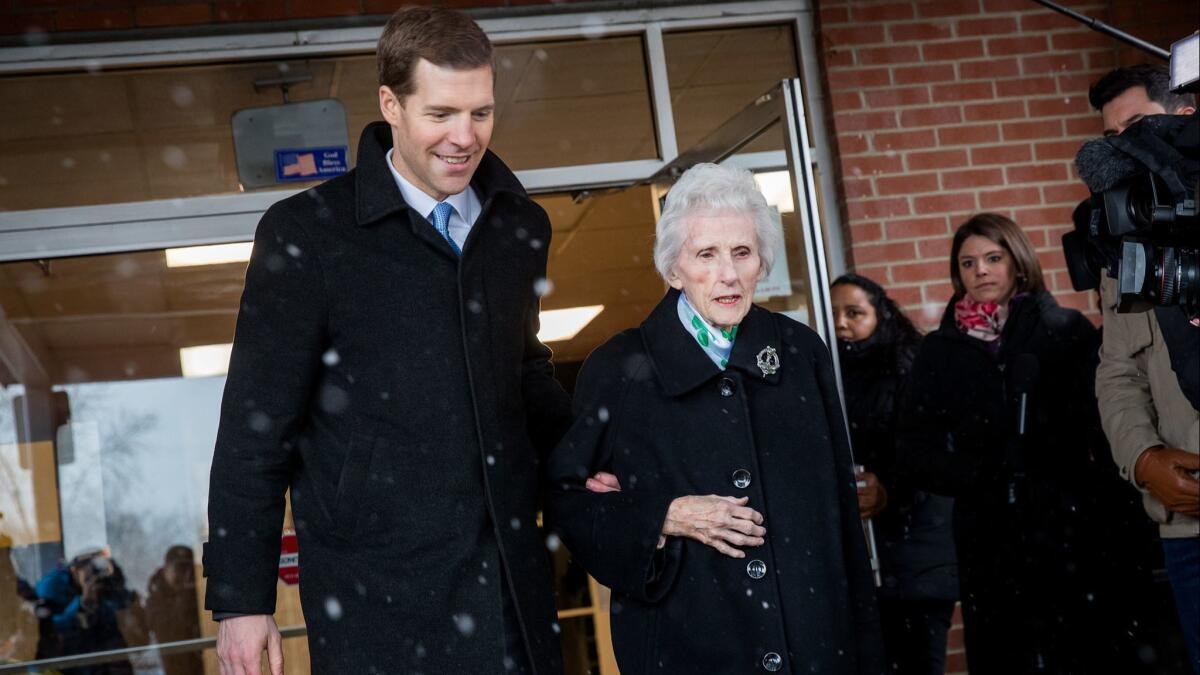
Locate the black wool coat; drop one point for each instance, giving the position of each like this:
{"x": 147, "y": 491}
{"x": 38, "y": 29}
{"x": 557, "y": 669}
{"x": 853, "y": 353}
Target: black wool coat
{"x": 913, "y": 533}
{"x": 1038, "y": 579}
{"x": 652, "y": 408}
{"x": 402, "y": 395}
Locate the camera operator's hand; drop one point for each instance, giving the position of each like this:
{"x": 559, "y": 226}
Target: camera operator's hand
{"x": 872, "y": 497}
{"x": 1164, "y": 472}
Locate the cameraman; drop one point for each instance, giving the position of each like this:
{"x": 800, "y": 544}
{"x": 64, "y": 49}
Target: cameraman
{"x": 1152, "y": 427}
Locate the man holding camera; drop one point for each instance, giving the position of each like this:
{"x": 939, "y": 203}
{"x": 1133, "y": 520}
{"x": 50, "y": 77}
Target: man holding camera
{"x": 1153, "y": 429}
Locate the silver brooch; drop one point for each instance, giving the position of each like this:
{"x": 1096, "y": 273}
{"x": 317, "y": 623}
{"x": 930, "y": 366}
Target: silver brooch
{"x": 768, "y": 361}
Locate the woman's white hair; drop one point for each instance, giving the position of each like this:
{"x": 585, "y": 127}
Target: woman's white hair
{"x": 705, "y": 188}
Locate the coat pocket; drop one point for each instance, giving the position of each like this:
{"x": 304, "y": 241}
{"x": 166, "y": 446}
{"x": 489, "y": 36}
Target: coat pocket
{"x": 352, "y": 484}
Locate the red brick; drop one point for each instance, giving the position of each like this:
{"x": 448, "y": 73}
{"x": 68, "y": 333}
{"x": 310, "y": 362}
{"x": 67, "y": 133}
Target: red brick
{"x": 871, "y": 164}
{"x": 924, "y": 74}
{"x": 1017, "y": 131}
{"x": 905, "y": 295}
{"x": 1004, "y": 110}
{"x": 846, "y": 100}
{"x": 1101, "y": 60}
{"x": 1037, "y": 237}
{"x": 897, "y": 96}
{"x": 973, "y": 178}
{"x": 889, "y": 12}
{"x": 1080, "y": 301}
{"x": 93, "y": 19}
{"x": 865, "y": 120}
{"x": 1091, "y": 125}
{"x": 876, "y": 56}
{"x": 866, "y": 232}
{"x": 936, "y": 159}
{"x": 940, "y": 293}
{"x": 938, "y": 8}
{"x": 875, "y": 209}
{"x": 1070, "y": 193}
{"x": 1019, "y": 196}
{"x": 1036, "y": 173}
{"x": 852, "y": 35}
{"x": 1081, "y": 40}
{"x": 954, "y": 202}
{"x": 877, "y": 253}
{"x": 952, "y": 51}
{"x": 839, "y": 58}
{"x": 1052, "y": 259}
{"x": 1001, "y": 154}
{"x": 1021, "y": 44}
{"x": 969, "y": 135}
{"x": 907, "y": 184}
{"x": 1044, "y": 20}
{"x": 173, "y": 15}
{"x": 1029, "y": 86}
{"x": 857, "y": 188}
{"x": 1057, "y": 150}
{"x": 857, "y": 78}
{"x": 1046, "y": 215}
{"x": 924, "y": 117}
{"x": 1077, "y": 84}
{"x": 1051, "y": 63}
{"x": 956, "y": 663}
{"x": 989, "y": 26}
{"x": 917, "y": 227}
{"x": 989, "y": 69}
{"x": 1059, "y": 106}
{"x": 831, "y": 15}
{"x": 909, "y": 32}
{"x": 238, "y": 11}
{"x": 321, "y": 8}
{"x": 934, "y": 248}
{"x": 904, "y": 140}
{"x": 921, "y": 271}
{"x": 852, "y": 144}
{"x": 966, "y": 91}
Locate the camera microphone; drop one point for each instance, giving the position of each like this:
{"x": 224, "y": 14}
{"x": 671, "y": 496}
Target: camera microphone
{"x": 1101, "y": 166}
{"x": 1022, "y": 374}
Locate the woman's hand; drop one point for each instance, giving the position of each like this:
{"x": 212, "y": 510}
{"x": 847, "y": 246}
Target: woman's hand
{"x": 720, "y": 522}
{"x": 872, "y": 497}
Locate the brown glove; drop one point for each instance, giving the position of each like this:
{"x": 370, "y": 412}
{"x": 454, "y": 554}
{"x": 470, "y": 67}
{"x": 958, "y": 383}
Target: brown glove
{"x": 1168, "y": 474}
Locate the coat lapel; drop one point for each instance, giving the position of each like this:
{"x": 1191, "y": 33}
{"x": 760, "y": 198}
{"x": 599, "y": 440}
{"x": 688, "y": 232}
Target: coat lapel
{"x": 681, "y": 365}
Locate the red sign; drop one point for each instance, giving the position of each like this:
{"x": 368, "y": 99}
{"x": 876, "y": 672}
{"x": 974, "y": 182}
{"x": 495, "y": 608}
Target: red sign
{"x": 289, "y": 559}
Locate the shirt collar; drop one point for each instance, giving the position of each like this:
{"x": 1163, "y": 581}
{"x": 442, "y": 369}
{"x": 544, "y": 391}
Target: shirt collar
{"x": 422, "y": 203}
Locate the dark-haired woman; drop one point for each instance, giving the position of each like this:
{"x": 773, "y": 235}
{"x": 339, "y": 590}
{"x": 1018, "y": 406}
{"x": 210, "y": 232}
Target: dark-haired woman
{"x": 876, "y": 345}
{"x": 1000, "y": 415}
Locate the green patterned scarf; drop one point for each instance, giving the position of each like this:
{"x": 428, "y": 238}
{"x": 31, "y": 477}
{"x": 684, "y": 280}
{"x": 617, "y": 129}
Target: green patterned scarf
{"x": 715, "y": 342}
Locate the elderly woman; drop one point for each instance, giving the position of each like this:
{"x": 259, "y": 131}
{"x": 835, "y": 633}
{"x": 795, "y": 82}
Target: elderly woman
{"x": 733, "y": 544}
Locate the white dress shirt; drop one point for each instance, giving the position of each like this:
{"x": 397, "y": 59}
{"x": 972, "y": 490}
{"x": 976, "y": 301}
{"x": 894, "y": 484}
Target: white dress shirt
{"x": 462, "y": 218}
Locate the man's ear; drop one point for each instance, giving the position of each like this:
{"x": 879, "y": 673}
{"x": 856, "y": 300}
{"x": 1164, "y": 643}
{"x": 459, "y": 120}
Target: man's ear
{"x": 390, "y": 106}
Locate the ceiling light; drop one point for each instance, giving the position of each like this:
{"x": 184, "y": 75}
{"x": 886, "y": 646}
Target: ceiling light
{"x": 776, "y": 186}
{"x": 205, "y": 360}
{"x": 564, "y": 324}
{"x": 217, "y": 254}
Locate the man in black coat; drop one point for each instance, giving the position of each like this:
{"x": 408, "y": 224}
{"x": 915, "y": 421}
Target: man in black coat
{"x": 387, "y": 370}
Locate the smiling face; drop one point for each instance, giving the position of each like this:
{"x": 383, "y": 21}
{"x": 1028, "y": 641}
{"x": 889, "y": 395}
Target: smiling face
{"x": 854, "y": 316}
{"x": 986, "y": 270}
{"x": 441, "y": 130}
{"x": 718, "y": 266}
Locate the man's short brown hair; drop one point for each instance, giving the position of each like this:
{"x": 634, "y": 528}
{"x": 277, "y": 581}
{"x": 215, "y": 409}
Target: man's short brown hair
{"x": 443, "y": 37}
{"x": 1003, "y": 231}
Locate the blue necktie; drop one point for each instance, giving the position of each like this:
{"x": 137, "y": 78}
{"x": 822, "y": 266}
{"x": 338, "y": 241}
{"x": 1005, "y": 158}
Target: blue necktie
{"x": 441, "y": 222}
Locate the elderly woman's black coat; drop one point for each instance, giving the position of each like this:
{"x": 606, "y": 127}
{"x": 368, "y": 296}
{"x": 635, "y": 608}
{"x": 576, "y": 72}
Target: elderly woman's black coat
{"x": 402, "y": 395}
{"x": 652, "y": 408}
{"x": 1036, "y": 555}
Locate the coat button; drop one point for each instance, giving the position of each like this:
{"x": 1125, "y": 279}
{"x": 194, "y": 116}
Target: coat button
{"x": 772, "y": 661}
{"x": 741, "y": 479}
{"x": 725, "y": 386}
{"x": 756, "y": 569}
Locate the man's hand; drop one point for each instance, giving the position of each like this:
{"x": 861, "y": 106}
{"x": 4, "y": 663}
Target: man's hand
{"x": 720, "y": 522}
{"x": 603, "y": 482}
{"x": 241, "y": 641}
{"x": 1164, "y": 472}
{"x": 872, "y": 497}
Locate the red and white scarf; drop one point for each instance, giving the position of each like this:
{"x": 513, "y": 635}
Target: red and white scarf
{"x": 981, "y": 320}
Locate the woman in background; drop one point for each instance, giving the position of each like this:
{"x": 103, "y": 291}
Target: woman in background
{"x": 876, "y": 346}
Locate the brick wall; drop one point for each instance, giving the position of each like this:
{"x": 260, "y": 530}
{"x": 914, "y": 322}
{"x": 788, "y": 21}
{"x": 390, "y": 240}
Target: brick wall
{"x": 944, "y": 108}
